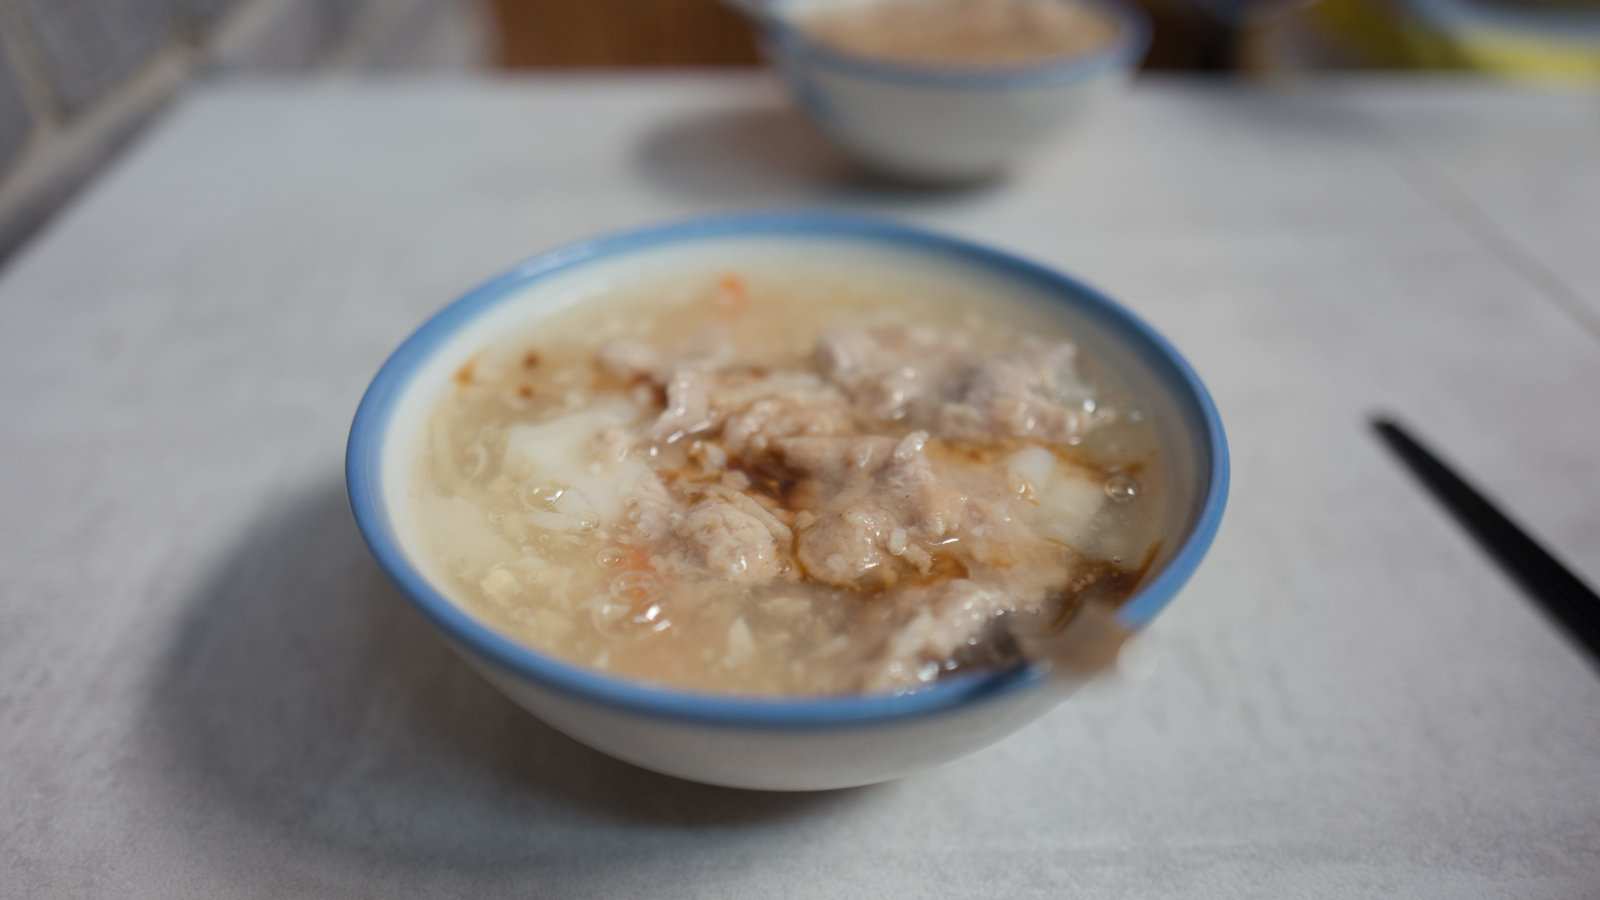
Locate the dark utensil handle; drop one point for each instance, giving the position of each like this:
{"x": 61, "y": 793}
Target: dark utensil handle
{"x": 1562, "y": 595}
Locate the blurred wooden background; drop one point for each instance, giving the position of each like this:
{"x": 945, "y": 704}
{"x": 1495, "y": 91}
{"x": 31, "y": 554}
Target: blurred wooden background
{"x": 535, "y": 34}
{"x": 621, "y": 33}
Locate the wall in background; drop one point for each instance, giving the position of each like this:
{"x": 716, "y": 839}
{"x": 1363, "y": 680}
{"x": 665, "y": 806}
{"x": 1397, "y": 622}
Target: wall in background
{"x": 79, "y": 77}
{"x": 615, "y": 33}
{"x": 538, "y": 34}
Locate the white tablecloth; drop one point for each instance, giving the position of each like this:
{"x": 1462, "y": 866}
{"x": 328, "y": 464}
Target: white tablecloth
{"x": 208, "y": 690}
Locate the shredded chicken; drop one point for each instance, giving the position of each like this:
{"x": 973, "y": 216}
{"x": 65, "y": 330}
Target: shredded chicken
{"x": 876, "y": 506}
{"x": 730, "y": 541}
{"x": 853, "y": 498}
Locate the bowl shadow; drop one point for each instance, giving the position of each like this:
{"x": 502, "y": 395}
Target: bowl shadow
{"x": 305, "y": 696}
{"x": 770, "y": 153}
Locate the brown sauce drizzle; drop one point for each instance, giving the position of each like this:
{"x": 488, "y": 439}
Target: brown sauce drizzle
{"x": 1081, "y": 608}
{"x": 1102, "y": 582}
{"x": 995, "y": 452}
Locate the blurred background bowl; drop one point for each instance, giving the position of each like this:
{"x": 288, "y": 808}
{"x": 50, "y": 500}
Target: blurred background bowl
{"x": 944, "y": 123}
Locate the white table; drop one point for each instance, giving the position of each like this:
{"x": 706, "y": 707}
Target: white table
{"x": 208, "y": 690}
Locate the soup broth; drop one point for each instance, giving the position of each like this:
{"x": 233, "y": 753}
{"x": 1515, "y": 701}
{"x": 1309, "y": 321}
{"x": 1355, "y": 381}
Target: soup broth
{"x": 961, "y": 32}
{"x": 787, "y": 479}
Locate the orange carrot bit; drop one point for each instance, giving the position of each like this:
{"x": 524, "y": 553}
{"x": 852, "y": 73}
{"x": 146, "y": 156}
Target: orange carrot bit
{"x": 732, "y": 298}
{"x": 636, "y": 559}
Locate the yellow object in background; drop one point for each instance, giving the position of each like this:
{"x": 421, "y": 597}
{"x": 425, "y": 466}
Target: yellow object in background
{"x": 1530, "y": 42}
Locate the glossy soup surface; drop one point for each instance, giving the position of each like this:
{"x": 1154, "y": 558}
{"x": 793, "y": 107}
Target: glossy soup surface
{"x": 787, "y": 479}
{"x": 972, "y": 33}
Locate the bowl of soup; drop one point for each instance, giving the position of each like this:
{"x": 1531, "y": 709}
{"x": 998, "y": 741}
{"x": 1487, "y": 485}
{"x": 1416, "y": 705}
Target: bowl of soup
{"x": 949, "y": 90}
{"x": 786, "y": 501}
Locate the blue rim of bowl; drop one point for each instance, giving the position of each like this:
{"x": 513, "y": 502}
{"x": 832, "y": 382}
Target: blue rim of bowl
{"x": 1125, "y": 52}
{"x": 368, "y": 432}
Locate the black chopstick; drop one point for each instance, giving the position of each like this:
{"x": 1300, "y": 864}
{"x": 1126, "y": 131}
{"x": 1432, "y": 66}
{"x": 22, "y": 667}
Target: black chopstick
{"x": 1560, "y": 593}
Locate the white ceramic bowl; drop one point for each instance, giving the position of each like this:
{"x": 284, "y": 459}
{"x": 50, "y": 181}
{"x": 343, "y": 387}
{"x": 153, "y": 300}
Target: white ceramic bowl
{"x": 943, "y": 124}
{"x": 777, "y": 743}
